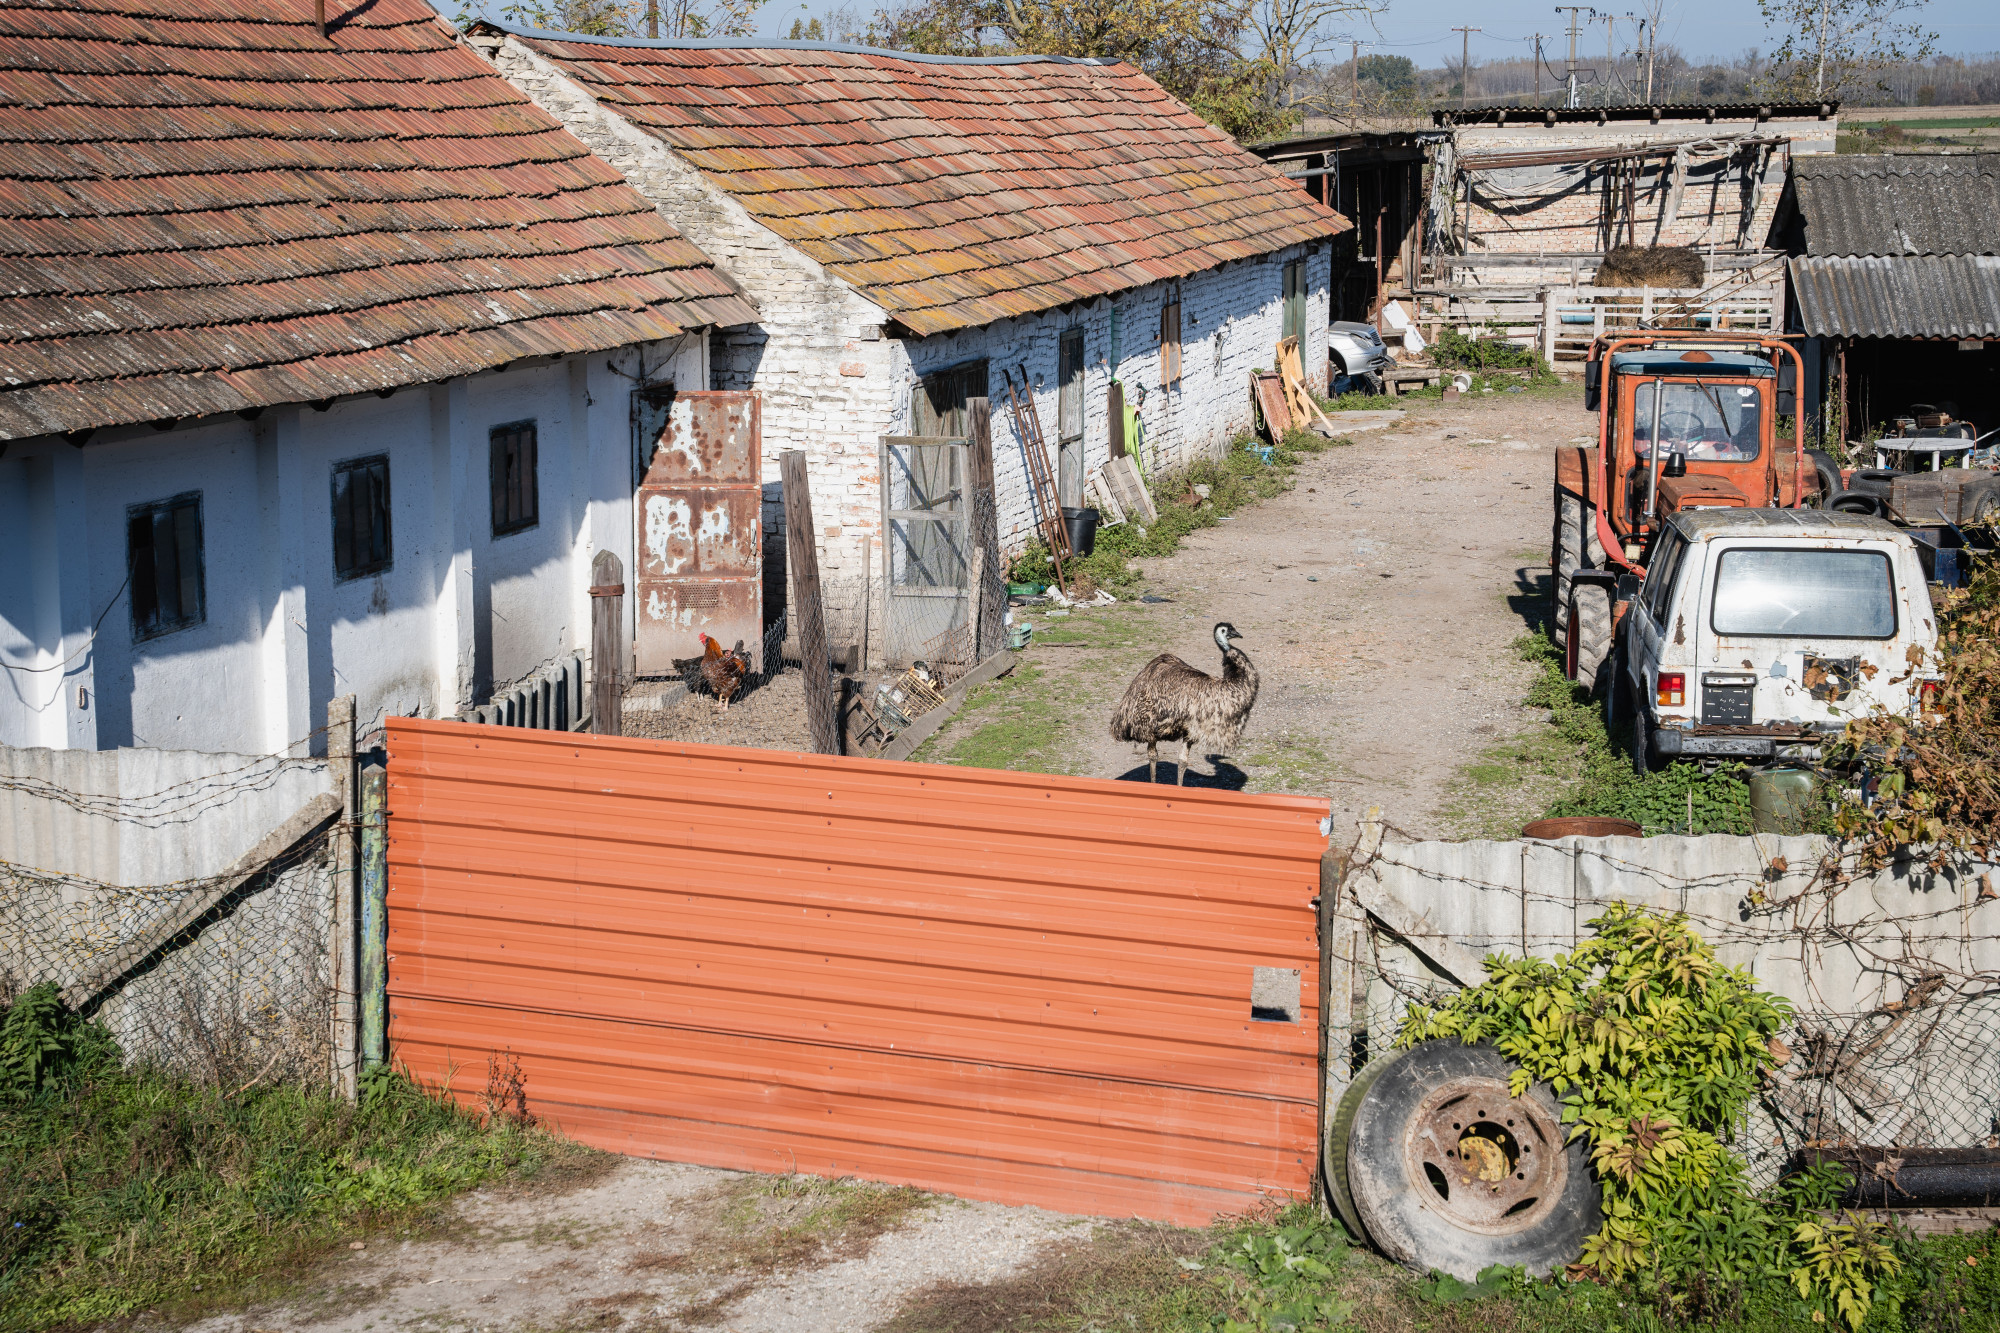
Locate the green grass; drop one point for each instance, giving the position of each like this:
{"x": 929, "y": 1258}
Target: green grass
{"x": 1234, "y": 481}
{"x": 1023, "y": 719}
{"x": 130, "y": 1190}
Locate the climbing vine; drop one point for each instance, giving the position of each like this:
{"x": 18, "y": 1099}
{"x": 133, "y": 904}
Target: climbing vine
{"x": 1656, "y": 1049}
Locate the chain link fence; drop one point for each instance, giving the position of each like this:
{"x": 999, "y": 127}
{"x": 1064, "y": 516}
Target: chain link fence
{"x": 122, "y": 884}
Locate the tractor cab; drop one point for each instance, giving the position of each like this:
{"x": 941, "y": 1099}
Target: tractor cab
{"x": 1686, "y": 424}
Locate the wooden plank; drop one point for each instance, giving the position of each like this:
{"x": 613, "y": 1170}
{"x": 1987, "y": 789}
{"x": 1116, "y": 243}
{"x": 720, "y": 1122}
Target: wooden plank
{"x": 985, "y": 524}
{"x": 923, "y": 728}
{"x": 1268, "y": 391}
{"x": 802, "y": 553}
{"x": 1122, "y": 479}
{"x": 303, "y": 822}
{"x": 607, "y": 658}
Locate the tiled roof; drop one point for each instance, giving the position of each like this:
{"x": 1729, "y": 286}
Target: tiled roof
{"x": 1900, "y": 296}
{"x": 954, "y": 192}
{"x": 1899, "y": 203}
{"x": 207, "y": 207}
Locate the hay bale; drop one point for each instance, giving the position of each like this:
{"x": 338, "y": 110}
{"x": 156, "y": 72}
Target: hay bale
{"x": 1652, "y": 266}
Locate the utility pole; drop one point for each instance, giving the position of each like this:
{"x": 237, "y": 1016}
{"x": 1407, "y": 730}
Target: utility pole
{"x": 1354, "y": 79}
{"x": 1465, "y": 65}
{"x": 652, "y": 18}
{"x": 1538, "y": 68}
{"x": 1574, "y": 27}
{"x": 1652, "y": 32}
{"x": 1610, "y": 27}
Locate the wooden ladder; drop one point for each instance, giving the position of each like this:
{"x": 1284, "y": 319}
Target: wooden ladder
{"x": 1041, "y": 486}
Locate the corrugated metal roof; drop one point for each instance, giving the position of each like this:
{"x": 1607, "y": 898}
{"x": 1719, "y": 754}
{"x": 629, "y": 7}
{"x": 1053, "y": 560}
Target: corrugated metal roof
{"x": 1899, "y": 203}
{"x": 954, "y": 193}
{"x": 1910, "y": 296}
{"x": 212, "y": 208}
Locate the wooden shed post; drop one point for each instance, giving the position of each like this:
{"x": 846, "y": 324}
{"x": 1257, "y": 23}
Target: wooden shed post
{"x": 990, "y": 589}
{"x": 802, "y": 553}
{"x": 607, "y": 653}
{"x": 374, "y": 915}
{"x": 346, "y": 891}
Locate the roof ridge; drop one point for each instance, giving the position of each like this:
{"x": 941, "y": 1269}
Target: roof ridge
{"x": 738, "y": 44}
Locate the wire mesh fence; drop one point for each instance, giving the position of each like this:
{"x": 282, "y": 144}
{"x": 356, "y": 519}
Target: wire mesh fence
{"x": 1893, "y": 975}
{"x": 189, "y": 963}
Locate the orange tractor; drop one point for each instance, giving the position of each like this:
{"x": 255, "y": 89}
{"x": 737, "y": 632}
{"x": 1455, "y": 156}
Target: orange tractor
{"x": 1685, "y": 420}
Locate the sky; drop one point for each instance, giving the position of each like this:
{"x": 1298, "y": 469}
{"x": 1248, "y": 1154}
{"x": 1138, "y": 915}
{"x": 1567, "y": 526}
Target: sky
{"x": 1422, "y": 29}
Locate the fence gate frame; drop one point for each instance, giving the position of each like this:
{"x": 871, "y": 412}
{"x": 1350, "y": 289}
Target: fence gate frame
{"x": 1093, "y": 996}
{"x": 916, "y": 621}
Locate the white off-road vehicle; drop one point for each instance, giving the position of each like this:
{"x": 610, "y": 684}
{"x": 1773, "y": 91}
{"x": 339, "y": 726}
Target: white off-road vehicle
{"x": 1757, "y": 632}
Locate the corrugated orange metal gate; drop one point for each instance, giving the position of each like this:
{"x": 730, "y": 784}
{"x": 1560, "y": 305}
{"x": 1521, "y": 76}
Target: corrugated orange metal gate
{"x": 1002, "y": 985}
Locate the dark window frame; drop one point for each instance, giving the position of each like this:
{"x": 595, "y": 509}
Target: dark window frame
{"x": 515, "y": 484}
{"x": 377, "y": 561}
{"x": 148, "y": 598}
{"x": 1292, "y": 305}
{"x": 1170, "y": 338}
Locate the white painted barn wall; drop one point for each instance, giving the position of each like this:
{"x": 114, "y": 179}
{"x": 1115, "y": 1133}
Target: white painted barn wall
{"x": 459, "y": 613}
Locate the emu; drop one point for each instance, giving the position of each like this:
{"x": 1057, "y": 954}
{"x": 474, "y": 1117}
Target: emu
{"x": 1171, "y": 701}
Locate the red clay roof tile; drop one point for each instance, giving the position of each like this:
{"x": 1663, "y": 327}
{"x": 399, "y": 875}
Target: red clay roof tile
{"x": 215, "y": 211}
{"x": 955, "y": 193}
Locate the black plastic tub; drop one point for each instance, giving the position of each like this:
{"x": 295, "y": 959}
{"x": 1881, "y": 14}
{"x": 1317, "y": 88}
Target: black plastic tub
{"x": 1082, "y": 525}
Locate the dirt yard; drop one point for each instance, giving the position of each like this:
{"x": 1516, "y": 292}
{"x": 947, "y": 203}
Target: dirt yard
{"x": 1378, "y": 600}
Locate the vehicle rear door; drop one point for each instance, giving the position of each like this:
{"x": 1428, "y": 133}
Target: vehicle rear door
{"x": 1799, "y": 631}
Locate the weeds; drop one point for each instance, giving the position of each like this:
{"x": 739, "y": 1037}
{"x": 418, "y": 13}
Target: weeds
{"x": 1198, "y": 496}
{"x": 1682, "y": 799}
{"x": 125, "y": 1190}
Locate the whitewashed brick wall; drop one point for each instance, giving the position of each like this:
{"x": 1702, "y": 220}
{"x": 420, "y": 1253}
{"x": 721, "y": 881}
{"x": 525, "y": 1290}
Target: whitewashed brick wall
{"x": 832, "y": 391}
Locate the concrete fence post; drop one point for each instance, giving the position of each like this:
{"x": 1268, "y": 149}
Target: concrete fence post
{"x": 374, "y": 915}
{"x": 346, "y": 888}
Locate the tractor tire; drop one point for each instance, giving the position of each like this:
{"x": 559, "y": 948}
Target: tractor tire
{"x": 1335, "y": 1161}
{"x": 1829, "y": 475}
{"x": 1587, "y": 638}
{"x": 1576, "y": 545}
{"x": 1450, "y": 1172}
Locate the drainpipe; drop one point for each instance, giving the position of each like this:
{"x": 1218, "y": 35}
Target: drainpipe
{"x": 374, "y": 915}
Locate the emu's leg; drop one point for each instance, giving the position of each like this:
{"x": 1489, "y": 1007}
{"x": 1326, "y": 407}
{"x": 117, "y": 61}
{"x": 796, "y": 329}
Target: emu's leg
{"x": 1181, "y": 781}
{"x": 1152, "y": 761}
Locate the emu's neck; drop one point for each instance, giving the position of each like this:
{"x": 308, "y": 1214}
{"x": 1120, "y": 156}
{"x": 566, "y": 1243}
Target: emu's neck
{"x": 1236, "y": 666}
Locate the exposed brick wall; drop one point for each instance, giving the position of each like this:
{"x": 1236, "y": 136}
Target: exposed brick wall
{"x": 832, "y": 391}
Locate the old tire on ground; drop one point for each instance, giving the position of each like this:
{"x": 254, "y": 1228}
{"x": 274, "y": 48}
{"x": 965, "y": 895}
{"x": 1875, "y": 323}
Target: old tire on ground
{"x": 1858, "y": 502}
{"x": 1587, "y": 640}
{"x": 1449, "y": 1172}
{"x": 1335, "y": 1162}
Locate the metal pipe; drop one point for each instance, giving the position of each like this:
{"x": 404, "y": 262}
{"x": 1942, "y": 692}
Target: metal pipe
{"x": 1653, "y": 491}
{"x": 374, "y": 915}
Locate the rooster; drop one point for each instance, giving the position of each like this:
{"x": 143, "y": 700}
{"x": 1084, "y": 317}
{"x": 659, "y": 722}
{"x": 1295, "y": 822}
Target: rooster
{"x": 723, "y": 671}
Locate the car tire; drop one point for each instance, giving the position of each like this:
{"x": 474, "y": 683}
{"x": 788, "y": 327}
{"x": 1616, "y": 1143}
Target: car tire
{"x": 1858, "y": 502}
{"x": 1979, "y": 504}
{"x": 1337, "y": 1138}
{"x": 1829, "y": 475}
{"x": 1643, "y": 762}
{"x": 1616, "y": 689}
{"x": 1448, "y": 1171}
{"x": 1587, "y": 638}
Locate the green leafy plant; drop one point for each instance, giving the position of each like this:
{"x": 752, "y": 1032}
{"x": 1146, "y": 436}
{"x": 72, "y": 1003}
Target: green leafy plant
{"x": 1655, "y": 1049}
{"x": 41, "y": 1041}
{"x": 1284, "y": 1279}
{"x": 1844, "y": 1261}
{"x": 1499, "y": 1280}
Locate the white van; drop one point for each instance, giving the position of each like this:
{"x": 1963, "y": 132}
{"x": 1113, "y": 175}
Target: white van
{"x": 1757, "y": 631}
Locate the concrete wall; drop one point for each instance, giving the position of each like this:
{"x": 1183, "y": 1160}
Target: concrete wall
{"x": 1842, "y": 945}
{"x": 98, "y": 847}
{"x": 833, "y": 384}
{"x": 459, "y": 613}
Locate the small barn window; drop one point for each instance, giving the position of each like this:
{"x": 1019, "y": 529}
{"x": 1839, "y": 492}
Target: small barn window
{"x": 163, "y": 553}
{"x": 1295, "y": 300}
{"x": 516, "y": 503}
{"x": 361, "y": 517}
{"x": 1170, "y": 339}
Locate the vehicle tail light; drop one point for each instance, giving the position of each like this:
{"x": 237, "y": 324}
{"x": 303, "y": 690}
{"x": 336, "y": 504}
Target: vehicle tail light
{"x": 1671, "y": 690}
{"x": 1930, "y": 695}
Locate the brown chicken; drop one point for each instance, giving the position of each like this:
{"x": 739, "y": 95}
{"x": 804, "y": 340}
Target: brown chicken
{"x": 723, "y": 671}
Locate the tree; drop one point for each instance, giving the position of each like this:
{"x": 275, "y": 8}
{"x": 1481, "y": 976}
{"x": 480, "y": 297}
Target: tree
{"x": 1392, "y": 74}
{"x": 807, "y": 32}
{"x": 1834, "y": 47}
{"x": 1192, "y": 48}
{"x": 633, "y": 18}
{"x": 1294, "y": 36}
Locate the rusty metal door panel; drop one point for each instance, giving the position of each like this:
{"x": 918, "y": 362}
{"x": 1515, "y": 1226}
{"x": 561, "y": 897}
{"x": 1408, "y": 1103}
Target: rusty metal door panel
{"x": 1004, "y": 985}
{"x": 699, "y": 537}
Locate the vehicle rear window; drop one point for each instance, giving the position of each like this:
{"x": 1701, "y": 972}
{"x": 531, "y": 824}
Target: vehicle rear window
{"x": 1805, "y": 594}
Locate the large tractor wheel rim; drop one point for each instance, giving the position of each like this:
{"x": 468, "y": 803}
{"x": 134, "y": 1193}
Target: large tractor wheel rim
{"x": 1491, "y": 1162}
